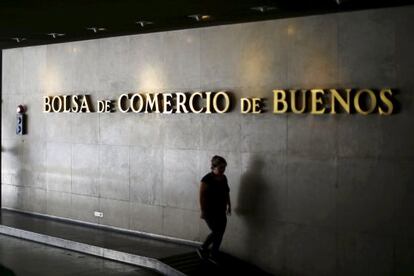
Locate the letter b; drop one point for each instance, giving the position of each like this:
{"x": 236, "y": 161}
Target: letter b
{"x": 279, "y": 97}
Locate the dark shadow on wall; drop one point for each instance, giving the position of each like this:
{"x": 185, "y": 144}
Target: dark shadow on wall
{"x": 4, "y": 271}
{"x": 251, "y": 204}
{"x": 1, "y": 112}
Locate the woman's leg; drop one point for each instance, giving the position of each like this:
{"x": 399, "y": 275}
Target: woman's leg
{"x": 217, "y": 226}
{"x": 218, "y": 232}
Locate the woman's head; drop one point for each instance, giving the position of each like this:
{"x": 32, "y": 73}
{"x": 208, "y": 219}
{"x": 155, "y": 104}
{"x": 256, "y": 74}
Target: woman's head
{"x": 218, "y": 165}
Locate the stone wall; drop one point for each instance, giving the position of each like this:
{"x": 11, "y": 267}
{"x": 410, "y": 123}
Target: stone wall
{"x": 312, "y": 195}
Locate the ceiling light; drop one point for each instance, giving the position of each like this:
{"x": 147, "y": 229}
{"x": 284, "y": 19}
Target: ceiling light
{"x": 263, "y": 8}
{"x": 96, "y": 29}
{"x": 18, "y": 39}
{"x": 55, "y": 35}
{"x": 144, "y": 23}
{"x": 200, "y": 17}
{"x": 340, "y": 2}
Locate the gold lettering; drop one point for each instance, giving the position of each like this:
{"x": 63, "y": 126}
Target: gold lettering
{"x": 85, "y": 104}
{"x": 208, "y": 102}
{"x": 75, "y": 104}
{"x": 66, "y": 107}
{"x": 345, "y": 104}
{"x": 256, "y": 105}
{"x": 293, "y": 101}
{"x": 279, "y": 97}
{"x": 167, "y": 103}
{"x": 386, "y": 101}
{"x": 245, "y": 105}
{"x": 191, "y": 102}
{"x": 151, "y": 103}
{"x": 226, "y": 102}
{"x": 180, "y": 102}
{"x": 133, "y": 102}
{"x": 46, "y": 104}
{"x": 372, "y": 103}
{"x": 121, "y": 103}
{"x": 56, "y": 101}
{"x": 108, "y": 106}
{"x": 101, "y": 106}
{"x": 316, "y": 99}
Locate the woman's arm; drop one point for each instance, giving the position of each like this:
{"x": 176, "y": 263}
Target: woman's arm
{"x": 228, "y": 204}
{"x": 203, "y": 202}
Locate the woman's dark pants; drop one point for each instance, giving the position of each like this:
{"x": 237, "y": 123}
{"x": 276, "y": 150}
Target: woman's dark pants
{"x": 217, "y": 225}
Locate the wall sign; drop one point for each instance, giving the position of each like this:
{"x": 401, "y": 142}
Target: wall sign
{"x": 313, "y": 101}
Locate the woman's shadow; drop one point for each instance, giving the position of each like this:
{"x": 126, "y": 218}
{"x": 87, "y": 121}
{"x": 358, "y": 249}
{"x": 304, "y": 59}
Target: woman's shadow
{"x": 5, "y": 271}
{"x": 251, "y": 203}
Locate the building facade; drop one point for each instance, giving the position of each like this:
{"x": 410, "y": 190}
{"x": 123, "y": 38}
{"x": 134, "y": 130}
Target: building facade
{"x": 312, "y": 194}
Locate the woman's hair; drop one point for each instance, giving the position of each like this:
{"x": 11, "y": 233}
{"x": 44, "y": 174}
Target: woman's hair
{"x": 217, "y": 161}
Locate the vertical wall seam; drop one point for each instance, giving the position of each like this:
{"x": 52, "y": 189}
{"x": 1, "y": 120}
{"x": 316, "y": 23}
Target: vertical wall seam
{"x": 71, "y": 164}
{"x": 99, "y": 182}
{"x": 337, "y": 262}
{"x": 130, "y": 148}
{"x": 398, "y": 82}
{"x": 285, "y": 236}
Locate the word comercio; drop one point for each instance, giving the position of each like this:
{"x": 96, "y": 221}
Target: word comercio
{"x": 174, "y": 102}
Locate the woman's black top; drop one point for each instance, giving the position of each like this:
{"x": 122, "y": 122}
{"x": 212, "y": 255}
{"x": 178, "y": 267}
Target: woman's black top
{"x": 215, "y": 195}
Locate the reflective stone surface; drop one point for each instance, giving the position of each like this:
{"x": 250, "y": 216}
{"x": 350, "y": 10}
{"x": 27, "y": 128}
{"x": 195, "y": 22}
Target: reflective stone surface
{"x": 39, "y": 259}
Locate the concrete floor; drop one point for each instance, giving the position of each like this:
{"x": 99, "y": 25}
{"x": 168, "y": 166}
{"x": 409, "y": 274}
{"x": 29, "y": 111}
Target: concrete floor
{"x": 30, "y": 258}
{"x": 124, "y": 242}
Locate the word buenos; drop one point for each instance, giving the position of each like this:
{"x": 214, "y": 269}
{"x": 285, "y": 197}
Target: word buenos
{"x": 322, "y": 101}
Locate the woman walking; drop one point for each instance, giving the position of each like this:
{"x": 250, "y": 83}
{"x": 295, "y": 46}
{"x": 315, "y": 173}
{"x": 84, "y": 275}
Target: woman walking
{"x": 215, "y": 205}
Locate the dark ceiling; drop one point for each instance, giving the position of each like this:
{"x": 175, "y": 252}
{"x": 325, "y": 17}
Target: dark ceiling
{"x": 34, "y": 22}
